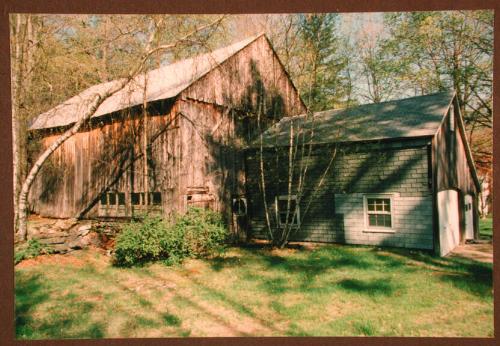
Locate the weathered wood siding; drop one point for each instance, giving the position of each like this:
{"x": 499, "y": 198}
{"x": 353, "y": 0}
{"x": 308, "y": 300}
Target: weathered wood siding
{"x": 453, "y": 170}
{"x": 110, "y": 157}
{"x": 399, "y": 169}
{"x": 253, "y": 80}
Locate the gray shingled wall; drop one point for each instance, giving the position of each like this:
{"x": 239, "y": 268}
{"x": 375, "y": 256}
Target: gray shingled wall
{"x": 336, "y": 213}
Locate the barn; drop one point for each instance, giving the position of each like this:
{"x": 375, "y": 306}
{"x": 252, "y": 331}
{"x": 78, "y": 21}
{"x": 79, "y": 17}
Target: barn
{"x": 170, "y": 139}
{"x": 397, "y": 173}
{"x": 217, "y": 131}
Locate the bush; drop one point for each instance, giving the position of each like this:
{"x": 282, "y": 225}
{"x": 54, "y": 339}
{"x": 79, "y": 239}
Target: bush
{"x": 140, "y": 242}
{"x": 198, "y": 233}
{"x": 31, "y": 249}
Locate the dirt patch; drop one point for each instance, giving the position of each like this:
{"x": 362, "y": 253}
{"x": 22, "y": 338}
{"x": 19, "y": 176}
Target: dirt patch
{"x": 58, "y": 259}
{"x": 478, "y": 252}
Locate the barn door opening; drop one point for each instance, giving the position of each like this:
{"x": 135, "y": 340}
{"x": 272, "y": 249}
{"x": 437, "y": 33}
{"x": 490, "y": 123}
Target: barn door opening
{"x": 469, "y": 218}
{"x": 239, "y": 218}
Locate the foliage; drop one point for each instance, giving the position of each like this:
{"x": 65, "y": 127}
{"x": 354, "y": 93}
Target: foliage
{"x": 198, "y": 233}
{"x": 31, "y": 249}
{"x": 324, "y": 86}
{"x": 450, "y": 50}
{"x": 140, "y": 242}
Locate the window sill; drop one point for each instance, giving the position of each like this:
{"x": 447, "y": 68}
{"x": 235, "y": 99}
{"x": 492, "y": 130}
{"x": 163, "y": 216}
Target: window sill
{"x": 379, "y": 230}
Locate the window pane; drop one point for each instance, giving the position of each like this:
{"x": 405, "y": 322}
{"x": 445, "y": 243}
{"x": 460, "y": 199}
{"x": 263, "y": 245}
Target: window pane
{"x": 387, "y": 205}
{"x": 387, "y": 221}
{"x": 379, "y": 206}
{"x": 121, "y": 198}
{"x": 371, "y": 207}
{"x": 134, "y": 196}
{"x": 112, "y": 198}
{"x": 372, "y": 220}
{"x": 156, "y": 198}
{"x": 103, "y": 199}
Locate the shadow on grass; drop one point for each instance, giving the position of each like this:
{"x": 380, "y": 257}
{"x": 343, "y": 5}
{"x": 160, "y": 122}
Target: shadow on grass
{"x": 300, "y": 271}
{"x": 65, "y": 318}
{"x": 468, "y": 275}
{"x": 219, "y": 263}
{"x": 305, "y": 266}
{"x": 372, "y": 287}
{"x": 29, "y": 293}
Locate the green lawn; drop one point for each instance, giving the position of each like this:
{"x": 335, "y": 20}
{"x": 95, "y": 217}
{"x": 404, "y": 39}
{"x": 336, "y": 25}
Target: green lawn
{"x": 486, "y": 228}
{"x": 331, "y": 290}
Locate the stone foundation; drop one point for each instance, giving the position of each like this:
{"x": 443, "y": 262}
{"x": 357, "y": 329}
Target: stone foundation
{"x": 64, "y": 235}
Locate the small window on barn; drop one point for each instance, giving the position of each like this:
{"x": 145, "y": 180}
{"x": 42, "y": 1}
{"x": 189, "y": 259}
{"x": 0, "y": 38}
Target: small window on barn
{"x": 111, "y": 198}
{"x": 135, "y": 198}
{"x": 156, "y": 198}
{"x": 290, "y": 216}
{"x": 121, "y": 198}
{"x": 104, "y": 199}
{"x": 378, "y": 212}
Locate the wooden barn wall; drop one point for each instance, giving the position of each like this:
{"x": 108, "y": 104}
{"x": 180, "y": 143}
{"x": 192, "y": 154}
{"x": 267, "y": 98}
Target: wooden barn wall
{"x": 210, "y": 160}
{"x": 251, "y": 81}
{"x": 335, "y": 211}
{"x": 453, "y": 171}
{"x": 109, "y": 157}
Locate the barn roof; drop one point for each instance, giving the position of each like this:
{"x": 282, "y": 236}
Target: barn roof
{"x": 417, "y": 116}
{"x": 162, "y": 83}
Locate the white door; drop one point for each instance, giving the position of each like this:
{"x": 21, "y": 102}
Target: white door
{"x": 469, "y": 224}
{"x": 449, "y": 233}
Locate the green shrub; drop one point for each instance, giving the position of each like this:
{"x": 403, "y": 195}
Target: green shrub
{"x": 198, "y": 233}
{"x": 140, "y": 242}
{"x": 31, "y": 249}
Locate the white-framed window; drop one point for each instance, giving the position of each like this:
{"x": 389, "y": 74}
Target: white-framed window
{"x": 378, "y": 210}
{"x": 281, "y": 210}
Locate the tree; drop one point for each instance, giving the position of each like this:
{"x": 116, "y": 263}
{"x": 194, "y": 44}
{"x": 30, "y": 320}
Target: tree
{"x": 382, "y": 73}
{"x": 323, "y": 84}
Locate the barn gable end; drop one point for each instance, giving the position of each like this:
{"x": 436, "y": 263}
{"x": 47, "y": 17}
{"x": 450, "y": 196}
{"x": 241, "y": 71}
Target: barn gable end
{"x": 456, "y": 184}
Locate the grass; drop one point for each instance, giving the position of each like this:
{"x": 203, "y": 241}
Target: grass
{"x": 486, "y": 228}
{"x": 329, "y": 290}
